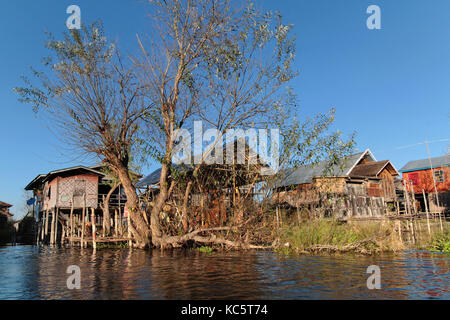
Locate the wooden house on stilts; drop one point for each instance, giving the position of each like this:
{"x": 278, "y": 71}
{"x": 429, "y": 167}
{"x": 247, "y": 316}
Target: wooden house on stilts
{"x": 70, "y": 206}
{"x": 359, "y": 186}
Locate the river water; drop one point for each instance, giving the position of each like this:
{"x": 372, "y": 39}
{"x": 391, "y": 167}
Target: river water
{"x": 29, "y": 272}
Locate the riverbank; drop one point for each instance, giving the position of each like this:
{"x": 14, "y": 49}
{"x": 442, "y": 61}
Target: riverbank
{"x": 367, "y": 237}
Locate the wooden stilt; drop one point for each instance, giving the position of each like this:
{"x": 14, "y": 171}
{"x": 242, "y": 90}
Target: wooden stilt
{"x": 63, "y": 233}
{"x": 71, "y": 222}
{"x": 46, "y": 222}
{"x": 129, "y": 229}
{"x": 83, "y": 221}
{"x": 52, "y": 228}
{"x": 94, "y": 244}
{"x": 103, "y": 226}
{"x": 399, "y": 227}
{"x": 43, "y": 226}
{"x": 412, "y": 231}
{"x": 55, "y": 240}
{"x": 115, "y": 223}
{"x": 426, "y": 209}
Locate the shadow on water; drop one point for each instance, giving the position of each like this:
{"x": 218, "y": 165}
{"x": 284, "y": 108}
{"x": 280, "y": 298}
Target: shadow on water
{"x": 28, "y": 272}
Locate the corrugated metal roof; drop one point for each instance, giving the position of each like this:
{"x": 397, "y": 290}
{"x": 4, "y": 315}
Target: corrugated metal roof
{"x": 45, "y": 177}
{"x": 304, "y": 174}
{"x": 424, "y": 164}
{"x": 153, "y": 178}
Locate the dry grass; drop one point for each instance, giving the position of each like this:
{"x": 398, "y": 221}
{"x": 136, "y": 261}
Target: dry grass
{"x": 328, "y": 235}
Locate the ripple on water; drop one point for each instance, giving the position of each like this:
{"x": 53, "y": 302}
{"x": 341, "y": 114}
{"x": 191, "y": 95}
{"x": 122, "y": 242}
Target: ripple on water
{"x": 29, "y": 272}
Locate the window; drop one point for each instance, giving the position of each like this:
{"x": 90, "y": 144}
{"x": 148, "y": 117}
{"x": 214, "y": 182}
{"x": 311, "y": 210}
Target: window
{"x": 439, "y": 175}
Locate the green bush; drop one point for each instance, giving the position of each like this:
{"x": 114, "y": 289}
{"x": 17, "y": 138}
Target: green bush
{"x": 441, "y": 242}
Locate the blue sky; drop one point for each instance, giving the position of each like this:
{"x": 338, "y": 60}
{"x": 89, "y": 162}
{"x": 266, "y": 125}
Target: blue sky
{"x": 391, "y": 86}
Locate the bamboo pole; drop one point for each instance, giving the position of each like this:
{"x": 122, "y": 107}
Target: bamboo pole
{"x": 94, "y": 244}
{"x": 115, "y": 223}
{"x": 435, "y": 187}
{"x": 413, "y": 198}
{"x": 103, "y": 226}
{"x": 412, "y": 231}
{"x": 426, "y": 209}
{"x": 63, "y": 233}
{"x": 71, "y": 222}
{"x": 46, "y": 222}
{"x": 55, "y": 240}
{"x": 83, "y": 221}
{"x": 129, "y": 229}
{"x": 52, "y": 228}
{"x": 43, "y": 226}
{"x": 399, "y": 226}
{"x": 405, "y": 194}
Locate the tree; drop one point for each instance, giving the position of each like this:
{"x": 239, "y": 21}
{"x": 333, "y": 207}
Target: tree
{"x": 94, "y": 102}
{"x": 207, "y": 60}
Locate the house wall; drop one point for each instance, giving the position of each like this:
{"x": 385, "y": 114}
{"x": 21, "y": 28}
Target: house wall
{"x": 423, "y": 180}
{"x": 62, "y": 190}
{"x": 387, "y": 185}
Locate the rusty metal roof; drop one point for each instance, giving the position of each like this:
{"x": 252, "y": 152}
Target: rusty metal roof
{"x": 372, "y": 169}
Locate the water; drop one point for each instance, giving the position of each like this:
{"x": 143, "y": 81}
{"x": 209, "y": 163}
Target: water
{"x": 28, "y": 272}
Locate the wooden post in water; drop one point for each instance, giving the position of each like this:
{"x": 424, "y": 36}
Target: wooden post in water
{"x": 46, "y": 222}
{"x": 129, "y": 229}
{"x": 115, "y": 223}
{"x": 426, "y": 209}
{"x": 412, "y": 231}
{"x": 94, "y": 244}
{"x": 435, "y": 187}
{"x": 43, "y": 226}
{"x": 413, "y": 198}
{"x": 405, "y": 194}
{"x": 103, "y": 226}
{"x": 55, "y": 240}
{"x": 399, "y": 226}
{"x": 83, "y": 221}
{"x": 52, "y": 227}
{"x": 63, "y": 234}
{"x": 71, "y": 222}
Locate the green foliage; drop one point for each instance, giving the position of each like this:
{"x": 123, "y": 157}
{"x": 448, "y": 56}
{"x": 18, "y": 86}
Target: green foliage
{"x": 205, "y": 249}
{"x": 441, "y": 242}
{"x": 121, "y": 245}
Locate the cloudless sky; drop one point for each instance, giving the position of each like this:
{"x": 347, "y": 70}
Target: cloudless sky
{"x": 391, "y": 86}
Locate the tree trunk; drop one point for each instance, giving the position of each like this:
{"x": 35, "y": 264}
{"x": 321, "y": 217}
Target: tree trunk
{"x": 139, "y": 229}
{"x": 185, "y": 206}
{"x": 106, "y": 213}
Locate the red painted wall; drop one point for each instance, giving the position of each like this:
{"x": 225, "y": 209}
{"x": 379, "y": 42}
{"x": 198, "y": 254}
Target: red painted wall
{"x": 422, "y": 179}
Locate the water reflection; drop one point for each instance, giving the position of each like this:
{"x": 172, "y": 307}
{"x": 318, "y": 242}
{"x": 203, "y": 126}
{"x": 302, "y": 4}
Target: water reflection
{"x": 28, "y": 272}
